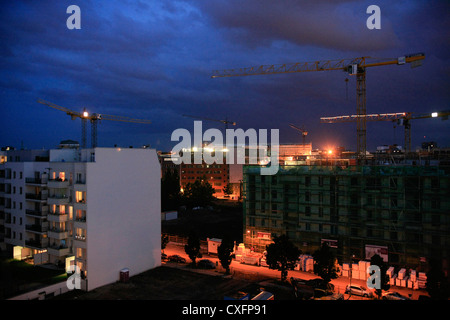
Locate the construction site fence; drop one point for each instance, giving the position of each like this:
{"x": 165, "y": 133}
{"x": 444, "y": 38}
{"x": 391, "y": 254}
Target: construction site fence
{"x": 183, "y": 240}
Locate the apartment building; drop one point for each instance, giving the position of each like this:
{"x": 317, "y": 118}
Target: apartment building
{"x": 216, "y": 174}
{"x": 98, "y": 209}
{"x": 398, "y": 211}
{"x": 165, "y": 160}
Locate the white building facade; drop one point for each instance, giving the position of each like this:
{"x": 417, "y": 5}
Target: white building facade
{"x": 97, "y": 209}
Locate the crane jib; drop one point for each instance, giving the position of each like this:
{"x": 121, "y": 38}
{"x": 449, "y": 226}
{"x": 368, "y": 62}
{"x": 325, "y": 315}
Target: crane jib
{"x": 355, "y": 66}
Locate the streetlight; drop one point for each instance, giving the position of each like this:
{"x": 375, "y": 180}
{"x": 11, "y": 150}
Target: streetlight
{"x": 350, "y": 275}
{"x": 251, "y": 238}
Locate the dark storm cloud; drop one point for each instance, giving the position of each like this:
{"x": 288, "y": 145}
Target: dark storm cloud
{"x": 330, "y": 24}
{"x": 154, "y": 59}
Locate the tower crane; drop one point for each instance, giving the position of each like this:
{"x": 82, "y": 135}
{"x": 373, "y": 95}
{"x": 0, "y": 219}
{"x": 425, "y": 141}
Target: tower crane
{"x": 94, "y": 118}
{"x": 401, "y": 118}
{"x": 302, "y": 130}
{"x": 226, "y": 122}
{"x": 355, "y": 66}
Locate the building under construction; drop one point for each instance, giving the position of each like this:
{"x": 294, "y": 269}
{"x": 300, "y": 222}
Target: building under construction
{"x": 400, "y": 211}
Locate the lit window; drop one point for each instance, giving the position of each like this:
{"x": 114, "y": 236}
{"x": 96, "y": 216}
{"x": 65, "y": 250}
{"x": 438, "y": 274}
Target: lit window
{"x": 80, "y": 196}
{"x": 80, "y": 234}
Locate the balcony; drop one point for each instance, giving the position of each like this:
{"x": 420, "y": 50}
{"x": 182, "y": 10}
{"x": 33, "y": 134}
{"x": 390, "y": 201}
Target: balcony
{"x": 36, "y": 228}
{"x": 81, "y": 218}
{"x": 58, "y": 234}
{"x": 58, "y": 251}
{"x": 36, "y": 181}
{"x": 37, "y": 244}
{"x": 79, "y": 206}
{"x": 79, "y": 244}
{"x": 58, "y": 184}
{"x": 36, "y": 197}
{"x": 80, "y": 223}
{"x": 80, "y": 237}
{"x": 80, "y": 185}
{"x": 6, "y": 189}
{"x": 37, "y": 213}
{"x": 58, "y": 200}
{"x": 79, "y": 241}
{"x": 57, "y": 217}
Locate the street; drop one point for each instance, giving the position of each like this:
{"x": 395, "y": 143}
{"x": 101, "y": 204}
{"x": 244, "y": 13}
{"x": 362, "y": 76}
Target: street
{"x": 258, "y": 272}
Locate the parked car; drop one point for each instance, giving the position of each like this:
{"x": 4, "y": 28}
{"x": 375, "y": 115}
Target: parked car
{"x": 176, "y": 258}
{"x": 302, "y": 291}
{"x": 392, "y": 295}
{"x": 358, "y": 290}
{"x": 319, "y": 283}
{"x": 324, "y": 295}
{"x": 206, "y": 264}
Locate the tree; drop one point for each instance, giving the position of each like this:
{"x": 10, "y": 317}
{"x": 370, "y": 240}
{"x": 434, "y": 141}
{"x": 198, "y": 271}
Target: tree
{"x": 170, "y": 190}
{"x": 437, "y": 284}
{"x": 200, "y": 193}
{"x": 192, "y": 248}
{"x": 228, "y": 189}
{"x": 224, "y": 252}
{"x": 164, "y": 241}
{"x": 325, "y": 263}
{"x": 376, "y": 260}
{"x": 282, "y": 255}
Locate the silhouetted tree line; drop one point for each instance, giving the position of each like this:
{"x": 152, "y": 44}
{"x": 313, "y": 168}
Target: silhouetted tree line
{"x": 200, "y": 193}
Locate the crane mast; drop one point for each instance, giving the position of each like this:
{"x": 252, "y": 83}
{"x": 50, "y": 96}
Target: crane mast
{"x": 94, "y": 118}
{"x": 302, "y": 130}
{"x": 355, "y": 66}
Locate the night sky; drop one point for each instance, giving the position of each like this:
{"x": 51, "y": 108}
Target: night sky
{"x": 154, "y": 60}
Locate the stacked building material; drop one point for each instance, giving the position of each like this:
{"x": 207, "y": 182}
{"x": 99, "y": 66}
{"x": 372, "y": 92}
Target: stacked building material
{"x": 239, "y": 252}
{"x": 363, "y": 270}
{"x": 309, "y": 264}
{"x": 305, "y": 263}
{"x": 401, "y": 278}
{"x": 390, "y": 272}
{"x": 422, "y": 280}
{"x": 355, "y": 271}
{"x": 345, "y": 269}
{"x": 402, "y": 274}
{"x": 393, "y": 280}
{"x": 412, "y": 279}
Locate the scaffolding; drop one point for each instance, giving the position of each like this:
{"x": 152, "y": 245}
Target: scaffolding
{"x": 404, "y": 208}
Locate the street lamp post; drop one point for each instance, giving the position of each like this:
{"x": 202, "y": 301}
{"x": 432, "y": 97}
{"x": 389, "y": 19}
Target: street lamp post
{"x": 350, "y": 275}
{"x": 249, "y": 234}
